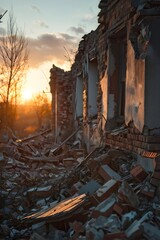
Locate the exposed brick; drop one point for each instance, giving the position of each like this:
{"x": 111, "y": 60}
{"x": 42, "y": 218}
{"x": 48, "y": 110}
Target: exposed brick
{"x": 120, "y": 209}
{"x": 75, "y": 188}
{"x": 105, "y": 208}
{"x": 114, "y": 236}
{"x": 107, "y": 173}
{"x": 141, "y": 138}
{"x": 106, "y": 190}
{"x": 108, "y": 136}
{"x": 155, "y": 182}
{"x": 140, "y": 151}
{"x": 157, "y": 168}
{"x": 129, "y": 136}
{"x": 152, "y": 155}
{"x": 138, "y": 173}
{"x": 152, "y": 139}
{"x": 68, "y": 161}
{"x": 156, "y": 175}
{"x": 149, "y": 193}
{"x": 151, "y": 146}
{"x": 137, "y": 144}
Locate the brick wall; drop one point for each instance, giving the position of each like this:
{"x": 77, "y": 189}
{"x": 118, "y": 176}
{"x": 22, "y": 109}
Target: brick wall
{"x": 131, "y": 139}
{"x": 62, "y": 86}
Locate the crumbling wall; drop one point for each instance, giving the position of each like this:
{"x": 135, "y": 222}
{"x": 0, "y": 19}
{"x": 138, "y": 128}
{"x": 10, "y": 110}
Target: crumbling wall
{"x": 86, "y": 67}
{"x": 152, "y": 95}
{"x": 113, "y": 19}
{"x": 118, "y": 65}
{"x": 62, "y": 88}
{"x": 135, "y": 88}
{"x": 104, "y": 99}
{"x": 142, "y": 85}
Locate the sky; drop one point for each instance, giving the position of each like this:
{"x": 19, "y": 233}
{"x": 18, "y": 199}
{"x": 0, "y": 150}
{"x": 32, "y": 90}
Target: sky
{"x": 53, "y": 29}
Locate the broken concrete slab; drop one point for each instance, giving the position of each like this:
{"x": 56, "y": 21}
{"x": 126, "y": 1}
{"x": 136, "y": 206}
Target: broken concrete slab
{"x": 127, "y": 193}
{"x": 89, "y": 188}
{"x": 150, "y": 231}
{"x": 134, "y": 228}
{"x": 36, "y": 236}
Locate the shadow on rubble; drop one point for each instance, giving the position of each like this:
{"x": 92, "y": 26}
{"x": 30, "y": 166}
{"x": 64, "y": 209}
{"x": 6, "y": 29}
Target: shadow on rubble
{"x": 51, "y": 191}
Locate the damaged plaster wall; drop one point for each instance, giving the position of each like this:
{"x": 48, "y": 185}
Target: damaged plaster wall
{"x": 112, "y": 88}
{"x": 79, "y": 96}
{"x": 135, "y": 87}
{"x": 104, "y": 88}
{"x": 92, "y": 88}
{"x": 152, "y": 72}
{"x": 111, "y": 69}
{"x": 142, "y": 85}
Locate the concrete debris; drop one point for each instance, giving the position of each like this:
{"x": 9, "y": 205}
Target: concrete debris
{"x": 150, "y": 231}
{"x": 126, "y": 192}
{"x": 45, "y": 197}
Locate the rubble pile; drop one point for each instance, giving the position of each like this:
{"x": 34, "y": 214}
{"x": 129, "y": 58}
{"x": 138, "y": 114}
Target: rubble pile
{"x": 59, "y": 192}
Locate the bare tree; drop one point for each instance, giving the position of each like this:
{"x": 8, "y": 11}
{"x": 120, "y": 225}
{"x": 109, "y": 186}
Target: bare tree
{"x": 70, "y": 56}
{"x": 42, "y": 108}
{"x": 13, "y": 63}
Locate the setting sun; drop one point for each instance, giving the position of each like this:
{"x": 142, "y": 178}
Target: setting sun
{"x": 26, "y": 95}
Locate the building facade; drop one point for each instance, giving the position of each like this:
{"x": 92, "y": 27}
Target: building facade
{"x": 115, "y": 77}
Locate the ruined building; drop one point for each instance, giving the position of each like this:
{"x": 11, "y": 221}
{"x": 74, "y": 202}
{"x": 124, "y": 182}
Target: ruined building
{"x": 61, "y": 86}
{"x": 113, "y": 85}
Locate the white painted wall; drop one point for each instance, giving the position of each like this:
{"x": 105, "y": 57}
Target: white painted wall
{"x": 79, "y": 96}
{"x": 92, "y": 88}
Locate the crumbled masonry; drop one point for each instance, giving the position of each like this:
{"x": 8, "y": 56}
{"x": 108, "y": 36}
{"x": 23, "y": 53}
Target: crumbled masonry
{"x": 75, "y": 195}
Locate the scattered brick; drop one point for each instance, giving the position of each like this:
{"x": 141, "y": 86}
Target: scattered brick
{"x": 105, "y": 208}
{"x": 75, "y": 188}
{"x": 155, "y": 182}
{"x": 114, "y": 236}
{"x": 106, "y": 190}
{"x": 139, "y": 173}
{"x": 120, "y": 209}
{"x": 107, "y": 173}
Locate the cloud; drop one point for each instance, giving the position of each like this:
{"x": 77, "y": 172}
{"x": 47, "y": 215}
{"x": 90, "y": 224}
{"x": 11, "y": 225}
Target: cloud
{"x": 2, "y": 10}
{"x": 2, "y": 31}
{"x": 77, "y": 30}
{"x": 35, "y": 8}
{"x": 90, "y": 16}
{"x": 67, "y": 36}
{"x": 50, "y": 47}
{"x": 42, "y": 24}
